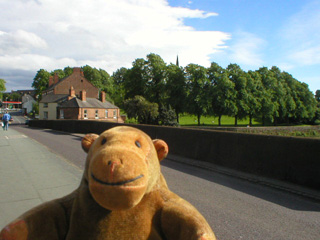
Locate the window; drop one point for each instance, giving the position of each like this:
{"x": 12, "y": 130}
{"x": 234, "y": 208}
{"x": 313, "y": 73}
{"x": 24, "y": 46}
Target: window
{"x": 97, "y": 114}
{"x": 114, "y": 113}
{"x": 45, "y": 105}
{"x": 45, "y": 115}
{"x": 106, "y": 111}
{"x": 85, "y": 114}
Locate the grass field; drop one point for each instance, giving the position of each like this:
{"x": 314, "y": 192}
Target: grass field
{"x": 186, "y": 120}
{"x": 256, "y": 128}
{"x": 189, "y": 120}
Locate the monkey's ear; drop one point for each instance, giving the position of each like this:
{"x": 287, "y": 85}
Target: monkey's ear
{"x": 161, "y": 148}
{"x": 87, "y": 141}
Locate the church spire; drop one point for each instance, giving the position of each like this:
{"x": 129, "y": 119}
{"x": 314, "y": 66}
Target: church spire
{"x": 177, "y": 62}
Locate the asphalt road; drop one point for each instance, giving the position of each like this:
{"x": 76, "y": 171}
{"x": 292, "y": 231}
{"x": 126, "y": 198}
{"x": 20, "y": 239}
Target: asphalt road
{"x": 17, "y": 117}
{"x": 235, "y": 208}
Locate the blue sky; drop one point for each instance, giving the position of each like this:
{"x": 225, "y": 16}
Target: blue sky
{"x": 265, "y": 33}
{"x": 110, "y": 34}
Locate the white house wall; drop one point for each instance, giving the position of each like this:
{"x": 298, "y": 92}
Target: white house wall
{"x": 51, "y": 110}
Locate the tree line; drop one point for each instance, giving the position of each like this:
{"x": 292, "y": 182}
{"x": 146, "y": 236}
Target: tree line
{"x": 152, "y": 91}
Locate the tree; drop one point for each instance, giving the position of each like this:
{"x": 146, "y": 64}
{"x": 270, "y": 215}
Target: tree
{"x": 317, "y": 96}
{"x": 317, "y": 113}
{"x": 176, "y": 89}
{"x": 100, "y": 79}
{"x": 14, "y": 96}
{"x": 269, "y": 103}
{"x": 239, "y": 78}
{"x": 197, "y": 90}
{"x": 254, "y": 89}
{"x": 221, "y": 93}
{"x": 60, "y": 73}
{"x": 93, "y": 75}
{"x": 107, "y": 84}
{"x": 2, "y": 87}
{"x": 135, "y": 80}
{"x": 118, "y": 81}
{"x": 68, "y": 71}
{"x": 280, "y": 92}
{"x": 306, "y": 103}
{"x": 35, "y": 108}
{"x": 167, "y": 116}
{"x": 40, "y": 82}
{"x": 154, "y": 71}
{"x": 141, "y": 110}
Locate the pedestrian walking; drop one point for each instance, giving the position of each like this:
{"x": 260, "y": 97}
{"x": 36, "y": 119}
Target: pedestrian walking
{"x": 5, "y": 119}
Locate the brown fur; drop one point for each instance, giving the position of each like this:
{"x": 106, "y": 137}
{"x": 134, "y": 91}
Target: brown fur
{"x": 122, "y": 195}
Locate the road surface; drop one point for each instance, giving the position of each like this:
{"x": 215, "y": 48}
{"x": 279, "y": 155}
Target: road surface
{"x": 235, "y": 208}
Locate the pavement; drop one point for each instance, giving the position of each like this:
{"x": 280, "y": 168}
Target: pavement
{"x": 31, "y": 174}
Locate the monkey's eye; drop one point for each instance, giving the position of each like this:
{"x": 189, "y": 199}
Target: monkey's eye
{"x": 103, "y": 141}
{"x": 138, "y": 144}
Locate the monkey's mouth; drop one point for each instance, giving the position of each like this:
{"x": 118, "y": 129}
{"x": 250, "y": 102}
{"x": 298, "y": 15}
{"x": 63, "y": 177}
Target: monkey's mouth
{"x": 116, "y": 183}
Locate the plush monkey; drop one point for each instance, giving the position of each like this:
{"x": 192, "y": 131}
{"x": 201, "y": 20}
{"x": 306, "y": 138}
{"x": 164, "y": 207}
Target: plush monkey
{"x": 122, "y": 195}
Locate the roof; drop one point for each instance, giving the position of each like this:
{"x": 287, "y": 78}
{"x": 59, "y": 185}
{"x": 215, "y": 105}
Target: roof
{"x": 55, "y": 84}
{"x": 50, "y": 98}
{"x": 66, "y": 77}
{"x": 90, "y": 103}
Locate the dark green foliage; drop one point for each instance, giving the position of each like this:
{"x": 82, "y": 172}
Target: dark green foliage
{"x": 167, "y": 116}
{"x": 2, "y": 87}
{"x": 100, "y": 79}
{"x": 119, "y": 91}
{"x": 198, "y": 90}
{"x": 155, "y": 73}
{"x": 41, "y": 82}
{"x": 176, "y": 89}
{"x": 141, "y": 110}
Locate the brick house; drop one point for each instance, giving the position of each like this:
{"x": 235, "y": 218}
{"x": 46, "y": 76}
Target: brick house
{"x": 74, "y": 97}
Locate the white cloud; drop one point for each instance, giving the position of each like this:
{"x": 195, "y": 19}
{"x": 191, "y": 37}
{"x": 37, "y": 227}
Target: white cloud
{"x": 106, "y": 34}
{"x": 246, "y": 49}
{"x": 34, "y": 62}
{"x": 20, "y": 41}
{"x": 301, "y": 36}
{"x": 308, "y": 56}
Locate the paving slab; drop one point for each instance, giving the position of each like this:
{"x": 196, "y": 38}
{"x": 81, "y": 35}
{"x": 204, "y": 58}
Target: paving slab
{"x": 31, "y": 174}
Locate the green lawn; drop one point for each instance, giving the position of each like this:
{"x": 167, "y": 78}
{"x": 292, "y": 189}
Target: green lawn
{"x": 189, "y": 120}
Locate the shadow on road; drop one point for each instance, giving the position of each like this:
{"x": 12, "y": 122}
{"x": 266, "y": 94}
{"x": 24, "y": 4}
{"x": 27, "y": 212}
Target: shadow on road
{"x": 268, "y": 193}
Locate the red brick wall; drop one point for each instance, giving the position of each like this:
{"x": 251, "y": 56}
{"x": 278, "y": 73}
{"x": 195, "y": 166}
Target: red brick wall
{"x": 79, "y": 83}
{"x": 76, "y": 113}
{"x": 70, "y": 113}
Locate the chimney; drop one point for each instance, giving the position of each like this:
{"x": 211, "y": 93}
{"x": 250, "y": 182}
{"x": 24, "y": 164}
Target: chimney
{"x": 103, "y": 96}
{"x": 56, "y": 78}
{"x": 77, "y": 70}
{"x": 81, "y": 73}
{"x": 83, "y": 95}
{"x": 50, "y": 81}
{"x": 72, "y": 93}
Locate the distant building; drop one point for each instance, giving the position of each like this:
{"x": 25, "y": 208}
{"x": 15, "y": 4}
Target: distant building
{"x": 27, "y": 102}
{"x": 74, "y": 97}
{"x": 30, "y": 92}
{"x": 24, "y": 101}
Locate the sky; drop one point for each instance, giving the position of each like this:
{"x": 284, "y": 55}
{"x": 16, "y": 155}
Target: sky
{"x": 110, "y": 34}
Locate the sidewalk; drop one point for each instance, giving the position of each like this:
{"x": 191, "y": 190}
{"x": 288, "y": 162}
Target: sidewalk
{"x": 30, "y": 174}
